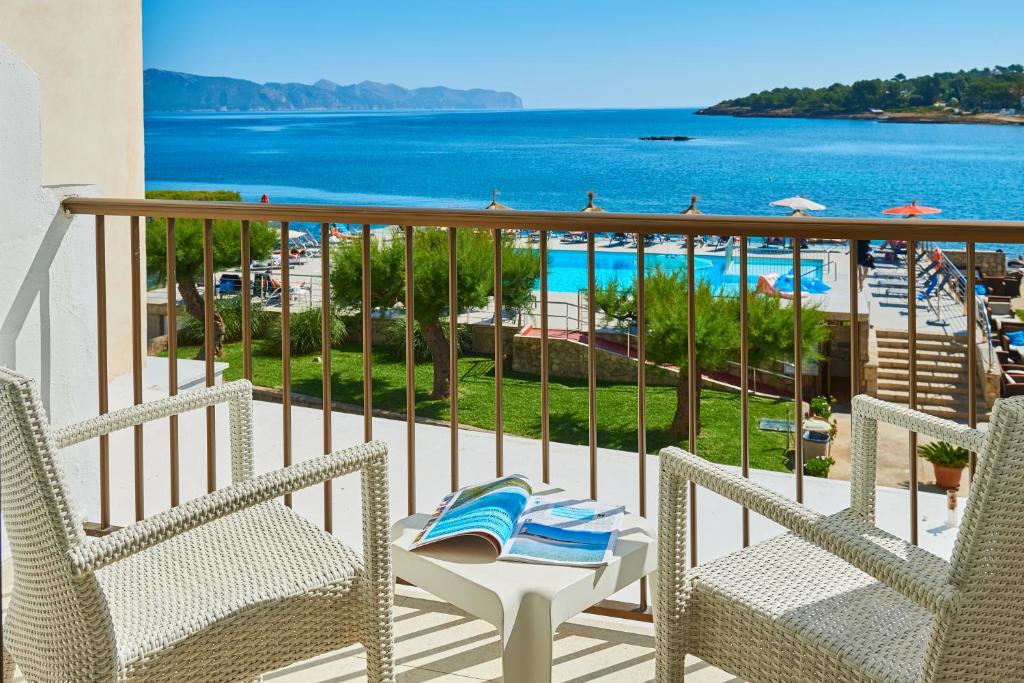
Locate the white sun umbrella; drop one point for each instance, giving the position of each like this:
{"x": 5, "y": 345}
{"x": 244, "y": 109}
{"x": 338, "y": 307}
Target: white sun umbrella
{"x": 295, "y": 234}
{"x": 798, "y": 204}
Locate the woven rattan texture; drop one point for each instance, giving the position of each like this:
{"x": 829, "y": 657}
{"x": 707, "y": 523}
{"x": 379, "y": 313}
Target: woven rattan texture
{"x": 837, "y": 599}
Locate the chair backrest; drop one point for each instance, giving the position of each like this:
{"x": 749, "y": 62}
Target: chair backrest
{"x": 57, "y": 625}
{"x": 980, "y": 637}
{"x": 930, "y": 285}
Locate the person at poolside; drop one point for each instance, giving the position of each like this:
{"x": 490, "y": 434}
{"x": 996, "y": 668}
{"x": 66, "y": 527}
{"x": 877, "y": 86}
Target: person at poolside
{"x": 865, "y": 262}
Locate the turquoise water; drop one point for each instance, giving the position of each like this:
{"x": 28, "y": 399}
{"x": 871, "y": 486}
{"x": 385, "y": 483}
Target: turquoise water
{"x": 549, "y": 159}
{"x": 567, "y": 269}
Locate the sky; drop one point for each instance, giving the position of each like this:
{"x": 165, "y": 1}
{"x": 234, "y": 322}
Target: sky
{"x": 575, "y": 54}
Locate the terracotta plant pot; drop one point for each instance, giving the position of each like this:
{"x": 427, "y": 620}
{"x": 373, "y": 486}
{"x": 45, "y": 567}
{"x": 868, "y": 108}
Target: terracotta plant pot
{"x": 947, "y": 477}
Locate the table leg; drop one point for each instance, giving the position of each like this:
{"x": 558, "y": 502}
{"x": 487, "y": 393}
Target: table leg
{"x": 527, "y": 640}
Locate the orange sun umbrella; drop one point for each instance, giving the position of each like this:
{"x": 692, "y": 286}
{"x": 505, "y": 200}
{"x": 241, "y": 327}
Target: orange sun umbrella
{"x": 910, "y": 210}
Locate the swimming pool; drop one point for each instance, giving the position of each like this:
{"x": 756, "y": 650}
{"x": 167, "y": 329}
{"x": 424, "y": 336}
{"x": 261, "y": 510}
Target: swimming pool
{"x": 567, "y": 268}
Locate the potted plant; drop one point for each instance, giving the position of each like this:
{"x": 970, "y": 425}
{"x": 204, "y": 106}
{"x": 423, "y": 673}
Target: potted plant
{"x": 947, "y": 460}
{"x": 821, "y": 407}
{"x": 818, "y": 467}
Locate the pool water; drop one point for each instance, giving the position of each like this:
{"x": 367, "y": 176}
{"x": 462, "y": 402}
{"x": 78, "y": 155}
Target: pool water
{"x": 567, "y": 268}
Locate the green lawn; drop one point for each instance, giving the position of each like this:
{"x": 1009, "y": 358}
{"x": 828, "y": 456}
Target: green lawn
{"x": 616, "y": 403}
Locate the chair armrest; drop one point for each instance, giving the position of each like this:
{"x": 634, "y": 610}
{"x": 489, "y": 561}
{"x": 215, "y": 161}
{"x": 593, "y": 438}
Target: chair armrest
{"x": 922, "y": 423}
{"x": 95, "y": 554}
{"x": 915, "y": 573}
{"x": 867, "y": 413}
{"x": 238, "y": 396}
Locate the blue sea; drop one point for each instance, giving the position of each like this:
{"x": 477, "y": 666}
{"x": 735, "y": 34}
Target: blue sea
{"x": 549, "y": 159}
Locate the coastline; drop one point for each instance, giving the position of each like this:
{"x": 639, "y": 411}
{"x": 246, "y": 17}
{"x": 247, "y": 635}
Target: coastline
{"x": 889, "y": 117}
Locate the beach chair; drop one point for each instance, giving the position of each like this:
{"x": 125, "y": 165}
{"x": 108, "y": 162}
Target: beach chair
{"x": 934, "y": 282}
{"x": 1011, "y": 384}
{"x": 922, "y": 272}
{"x": 934, "y": 286}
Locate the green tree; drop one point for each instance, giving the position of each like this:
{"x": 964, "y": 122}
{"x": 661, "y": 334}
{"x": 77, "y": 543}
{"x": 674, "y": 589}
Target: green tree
{"x": 717, "y": 337}
{"x": 867, "y": 94}
{"x": 188, "y": 244}
{"x": 929, "y": 89}
{"x": 976, "y": 88}
{"x": 475, "y": 275}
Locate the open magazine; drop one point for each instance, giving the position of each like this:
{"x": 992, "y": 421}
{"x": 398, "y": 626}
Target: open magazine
{"x": 525, "y": 527}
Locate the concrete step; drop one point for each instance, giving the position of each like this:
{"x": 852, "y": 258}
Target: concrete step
{"x": 938, "y": 388}
{"x": 956, "y": 413}
{"x": 934, "y": 376}
{"x": 933, "y": 400}
{"x": 903, "y": 365}
{"x": 927, "y": 357}
{"x": 921, "y": 336}
{"x": 902, "y": 342}
{"x": 924, "y": 347}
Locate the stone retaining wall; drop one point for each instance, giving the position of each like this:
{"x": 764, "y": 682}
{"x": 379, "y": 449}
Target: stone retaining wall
{"x": 568, "y": 359}
{"x": 992, "y": 263}
{"x": 483, "y": 338}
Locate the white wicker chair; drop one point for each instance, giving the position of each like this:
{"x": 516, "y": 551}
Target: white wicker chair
{"x": 837, "y": 599}
{"x": 224, "y": 587}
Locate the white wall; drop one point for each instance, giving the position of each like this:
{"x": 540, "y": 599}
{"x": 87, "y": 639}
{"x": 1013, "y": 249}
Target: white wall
{"x": 88, "y": 57}
{"x": 47, "y": 295}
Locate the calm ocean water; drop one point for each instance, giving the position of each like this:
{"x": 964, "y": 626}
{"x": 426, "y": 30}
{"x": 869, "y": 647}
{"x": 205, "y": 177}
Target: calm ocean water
{"x": 549, "y": 159}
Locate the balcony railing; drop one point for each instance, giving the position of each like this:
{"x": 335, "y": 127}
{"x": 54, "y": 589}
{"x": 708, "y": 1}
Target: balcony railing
{"x": 686, "y": 227}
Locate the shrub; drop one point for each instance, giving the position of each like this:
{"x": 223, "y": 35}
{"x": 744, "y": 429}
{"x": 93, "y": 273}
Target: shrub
{"x": 394, "y": 340}
{"x": 304, "y": 329}
{"x": 818, "y": 467}
{"x": 230, "y": 310}
{"x": 944, "y": 454}
{"x": 822, "y": 406}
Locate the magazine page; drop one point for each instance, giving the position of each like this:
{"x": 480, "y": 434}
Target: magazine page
{"x": 569, "y": 532}
{"x": 490, "y": 510}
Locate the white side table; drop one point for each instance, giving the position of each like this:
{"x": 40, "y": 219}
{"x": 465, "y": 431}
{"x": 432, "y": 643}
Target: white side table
{"x": 526, "y": 602}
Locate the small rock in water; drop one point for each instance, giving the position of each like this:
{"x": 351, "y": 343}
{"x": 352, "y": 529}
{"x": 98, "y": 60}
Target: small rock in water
{"x": 670, "y": 138}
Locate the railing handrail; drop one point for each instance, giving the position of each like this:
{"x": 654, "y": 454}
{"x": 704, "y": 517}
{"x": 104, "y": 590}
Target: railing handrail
{"x": 980, "y": 314}
{"x": 495, "y": 222}
{"x": 643, "y": 223}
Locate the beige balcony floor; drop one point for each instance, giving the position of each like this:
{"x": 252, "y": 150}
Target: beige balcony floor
{"x": 437, "y": 642}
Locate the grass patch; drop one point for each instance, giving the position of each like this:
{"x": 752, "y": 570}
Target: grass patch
{"x": 616, "y": 403}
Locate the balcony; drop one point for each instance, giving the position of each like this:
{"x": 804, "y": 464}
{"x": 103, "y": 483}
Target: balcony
{"x": 147, "y": 470}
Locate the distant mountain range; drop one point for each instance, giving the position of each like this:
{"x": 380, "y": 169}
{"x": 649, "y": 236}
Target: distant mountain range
{"x": 176, "y": 91}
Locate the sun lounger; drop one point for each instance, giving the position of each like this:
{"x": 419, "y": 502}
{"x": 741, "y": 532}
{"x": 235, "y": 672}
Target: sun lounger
{"x": 934, "y": 286}
{"x": 767, "y": 285}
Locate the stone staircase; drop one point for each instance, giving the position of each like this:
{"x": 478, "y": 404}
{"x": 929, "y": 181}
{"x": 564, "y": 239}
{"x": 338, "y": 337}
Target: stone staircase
{"x": 942, "y": 384}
